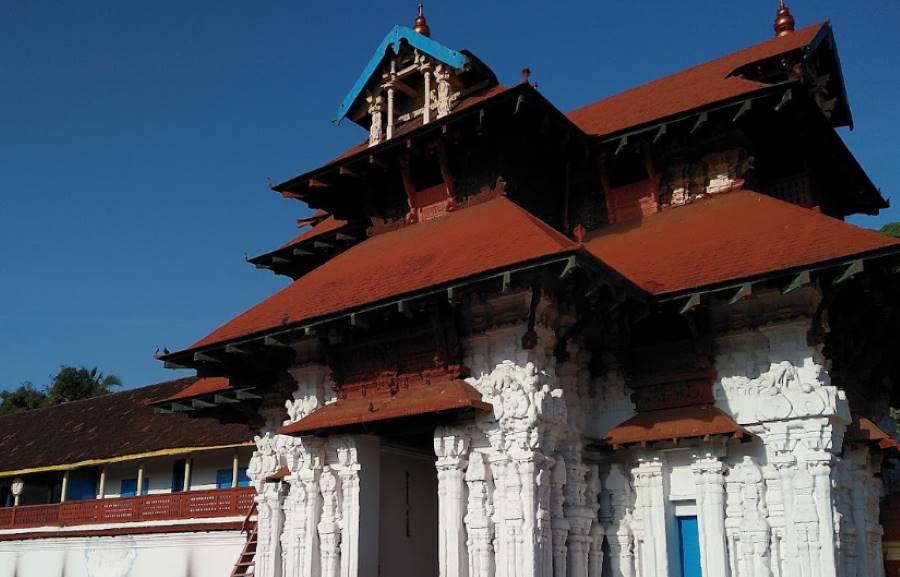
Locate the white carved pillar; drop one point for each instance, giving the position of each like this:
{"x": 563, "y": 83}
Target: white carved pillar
{"x": 821, "y": 471}
{"x": 442, "y": 77}
{"x": 595, "y": 555}
{"x": 579, "y": 513}
{"x": 532, "y": 538}
{"x": 310, "y": 475}
{"x": 559, "y": 525}
{"x": 299, "y": 540}
{"x": 293, "y": 537}
{"x": 618, "y": 523}
{"x": 806, "y": 529}
{"x": 268, "y": 498}
{"x": 710, "y": 491}
{"x": 502, "y": 516}
{"x": 451, "y": 448}
{"x": 425, "y": 69}
{"x": 479, "y": 524}
{"x": 329, "y": 527}
{"x": 376, "y": 128}
{"x": 358, "y": 468}
{"x": 648, "y": 484}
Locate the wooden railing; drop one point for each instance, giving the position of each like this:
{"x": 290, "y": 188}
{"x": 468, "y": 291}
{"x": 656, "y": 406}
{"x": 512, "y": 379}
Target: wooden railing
{"x": 162, "y": 507}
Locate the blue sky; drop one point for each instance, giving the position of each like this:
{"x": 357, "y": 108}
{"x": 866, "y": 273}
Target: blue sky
{"x": 136, "y": 138}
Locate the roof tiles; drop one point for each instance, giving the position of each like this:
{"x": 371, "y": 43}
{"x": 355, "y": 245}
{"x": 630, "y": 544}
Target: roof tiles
{"x": 727, "y": 237}
{"x": 492, "y": 235}
{"x": 687, "y": 90}
{"x": 108, "y": 427}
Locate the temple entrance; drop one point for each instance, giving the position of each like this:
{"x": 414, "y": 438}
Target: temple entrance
{"x": 408, "y": 504}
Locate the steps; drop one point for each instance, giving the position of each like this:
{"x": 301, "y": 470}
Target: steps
{"x": 245, "y": 566}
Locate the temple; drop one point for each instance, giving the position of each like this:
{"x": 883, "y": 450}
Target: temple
{"x": 636, "y": 339}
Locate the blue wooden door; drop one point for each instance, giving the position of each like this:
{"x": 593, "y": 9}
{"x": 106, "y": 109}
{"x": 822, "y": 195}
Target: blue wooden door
{"x": 689, "y": 546}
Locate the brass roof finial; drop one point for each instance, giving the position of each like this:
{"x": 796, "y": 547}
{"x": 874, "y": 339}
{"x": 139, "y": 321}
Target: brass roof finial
{"x": 420, "y": 25}
{"x": 784, "y": 21}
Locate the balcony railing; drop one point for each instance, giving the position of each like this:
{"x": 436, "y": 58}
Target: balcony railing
{"x": 162, "y": 507}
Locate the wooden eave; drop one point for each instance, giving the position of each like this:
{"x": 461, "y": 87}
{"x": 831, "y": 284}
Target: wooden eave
{"x": 832, "y": 271}
{"x": 282, "y": 335}
{"x": 311, "y": 185}
{"x": 294, "y": 260}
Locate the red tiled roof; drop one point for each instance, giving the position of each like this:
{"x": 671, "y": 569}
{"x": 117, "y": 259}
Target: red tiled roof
{"x": 107, "y": 427}
{"x": 492, "y": 235}
{"x": 201, "y": 386}
{"x": 726, "y": 237}
{"x": 687, "y": 90}
{"x": 673, "y": 424}
{"x": 382, "y": 406}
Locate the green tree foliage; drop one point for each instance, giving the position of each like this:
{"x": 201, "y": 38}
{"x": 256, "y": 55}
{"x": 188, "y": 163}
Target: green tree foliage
{"x": 891, "y": 229}
{"x": 24, "y": 398}
{"x": 69, "y": 384}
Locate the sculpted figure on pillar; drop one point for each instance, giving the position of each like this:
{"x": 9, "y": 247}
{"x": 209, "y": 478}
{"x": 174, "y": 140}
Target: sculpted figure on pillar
{"x": 479, "y": 517}
{"x": 376, "y": 129}
{"x": 442, "y": 77}
{"x": 595, "y": 555}
{"x": 558, "y": 522}
{"x": 329, "y": 526}
{"x": 620, "y": 522}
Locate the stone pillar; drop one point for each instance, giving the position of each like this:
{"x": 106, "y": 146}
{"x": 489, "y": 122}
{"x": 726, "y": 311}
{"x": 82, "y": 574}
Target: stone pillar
{"x": 821, "y": 470}
{"x": 618, "y": 523}
{"x": 532, "y": 538}
{"x": 451, "y": 448}
{"x": 648, "y": 484}
{"x": 376, "y": 127}
{"x": 358, "y": 468}
{"x": 580, "y": 512}
{"x": 269, "y": 524}
{"x": 595, "y": 555}
{"x": 389, "y": 127}
{"x": 329, "y": 526}
{"x": 479, "y": 524}
{"x": 442, "y": 77}
{"x": 559, "y": 525}
{"x": 425, "y": 69}
{"x": 806, "y": 526}
{"x": 710, "y": 491}
{"x": 293, "y": 537}
{"x": 299, "y": 540}
{"x": 310, "y": 476}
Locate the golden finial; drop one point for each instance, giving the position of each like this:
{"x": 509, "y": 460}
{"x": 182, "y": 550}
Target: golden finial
{"x": 784, "y": 22}
{"x": 420, "y": 25}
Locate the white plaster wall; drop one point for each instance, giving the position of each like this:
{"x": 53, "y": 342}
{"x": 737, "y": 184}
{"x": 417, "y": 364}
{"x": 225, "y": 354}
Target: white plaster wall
{"x": 169, "y": 555}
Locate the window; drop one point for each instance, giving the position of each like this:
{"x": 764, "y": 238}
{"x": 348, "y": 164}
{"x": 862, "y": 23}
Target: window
{"x": 223, "y": 478}
{"x": 129, "y": 487}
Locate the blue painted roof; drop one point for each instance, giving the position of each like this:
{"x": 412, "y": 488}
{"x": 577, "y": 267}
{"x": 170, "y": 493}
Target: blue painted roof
{"x": 452, "y": 58}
